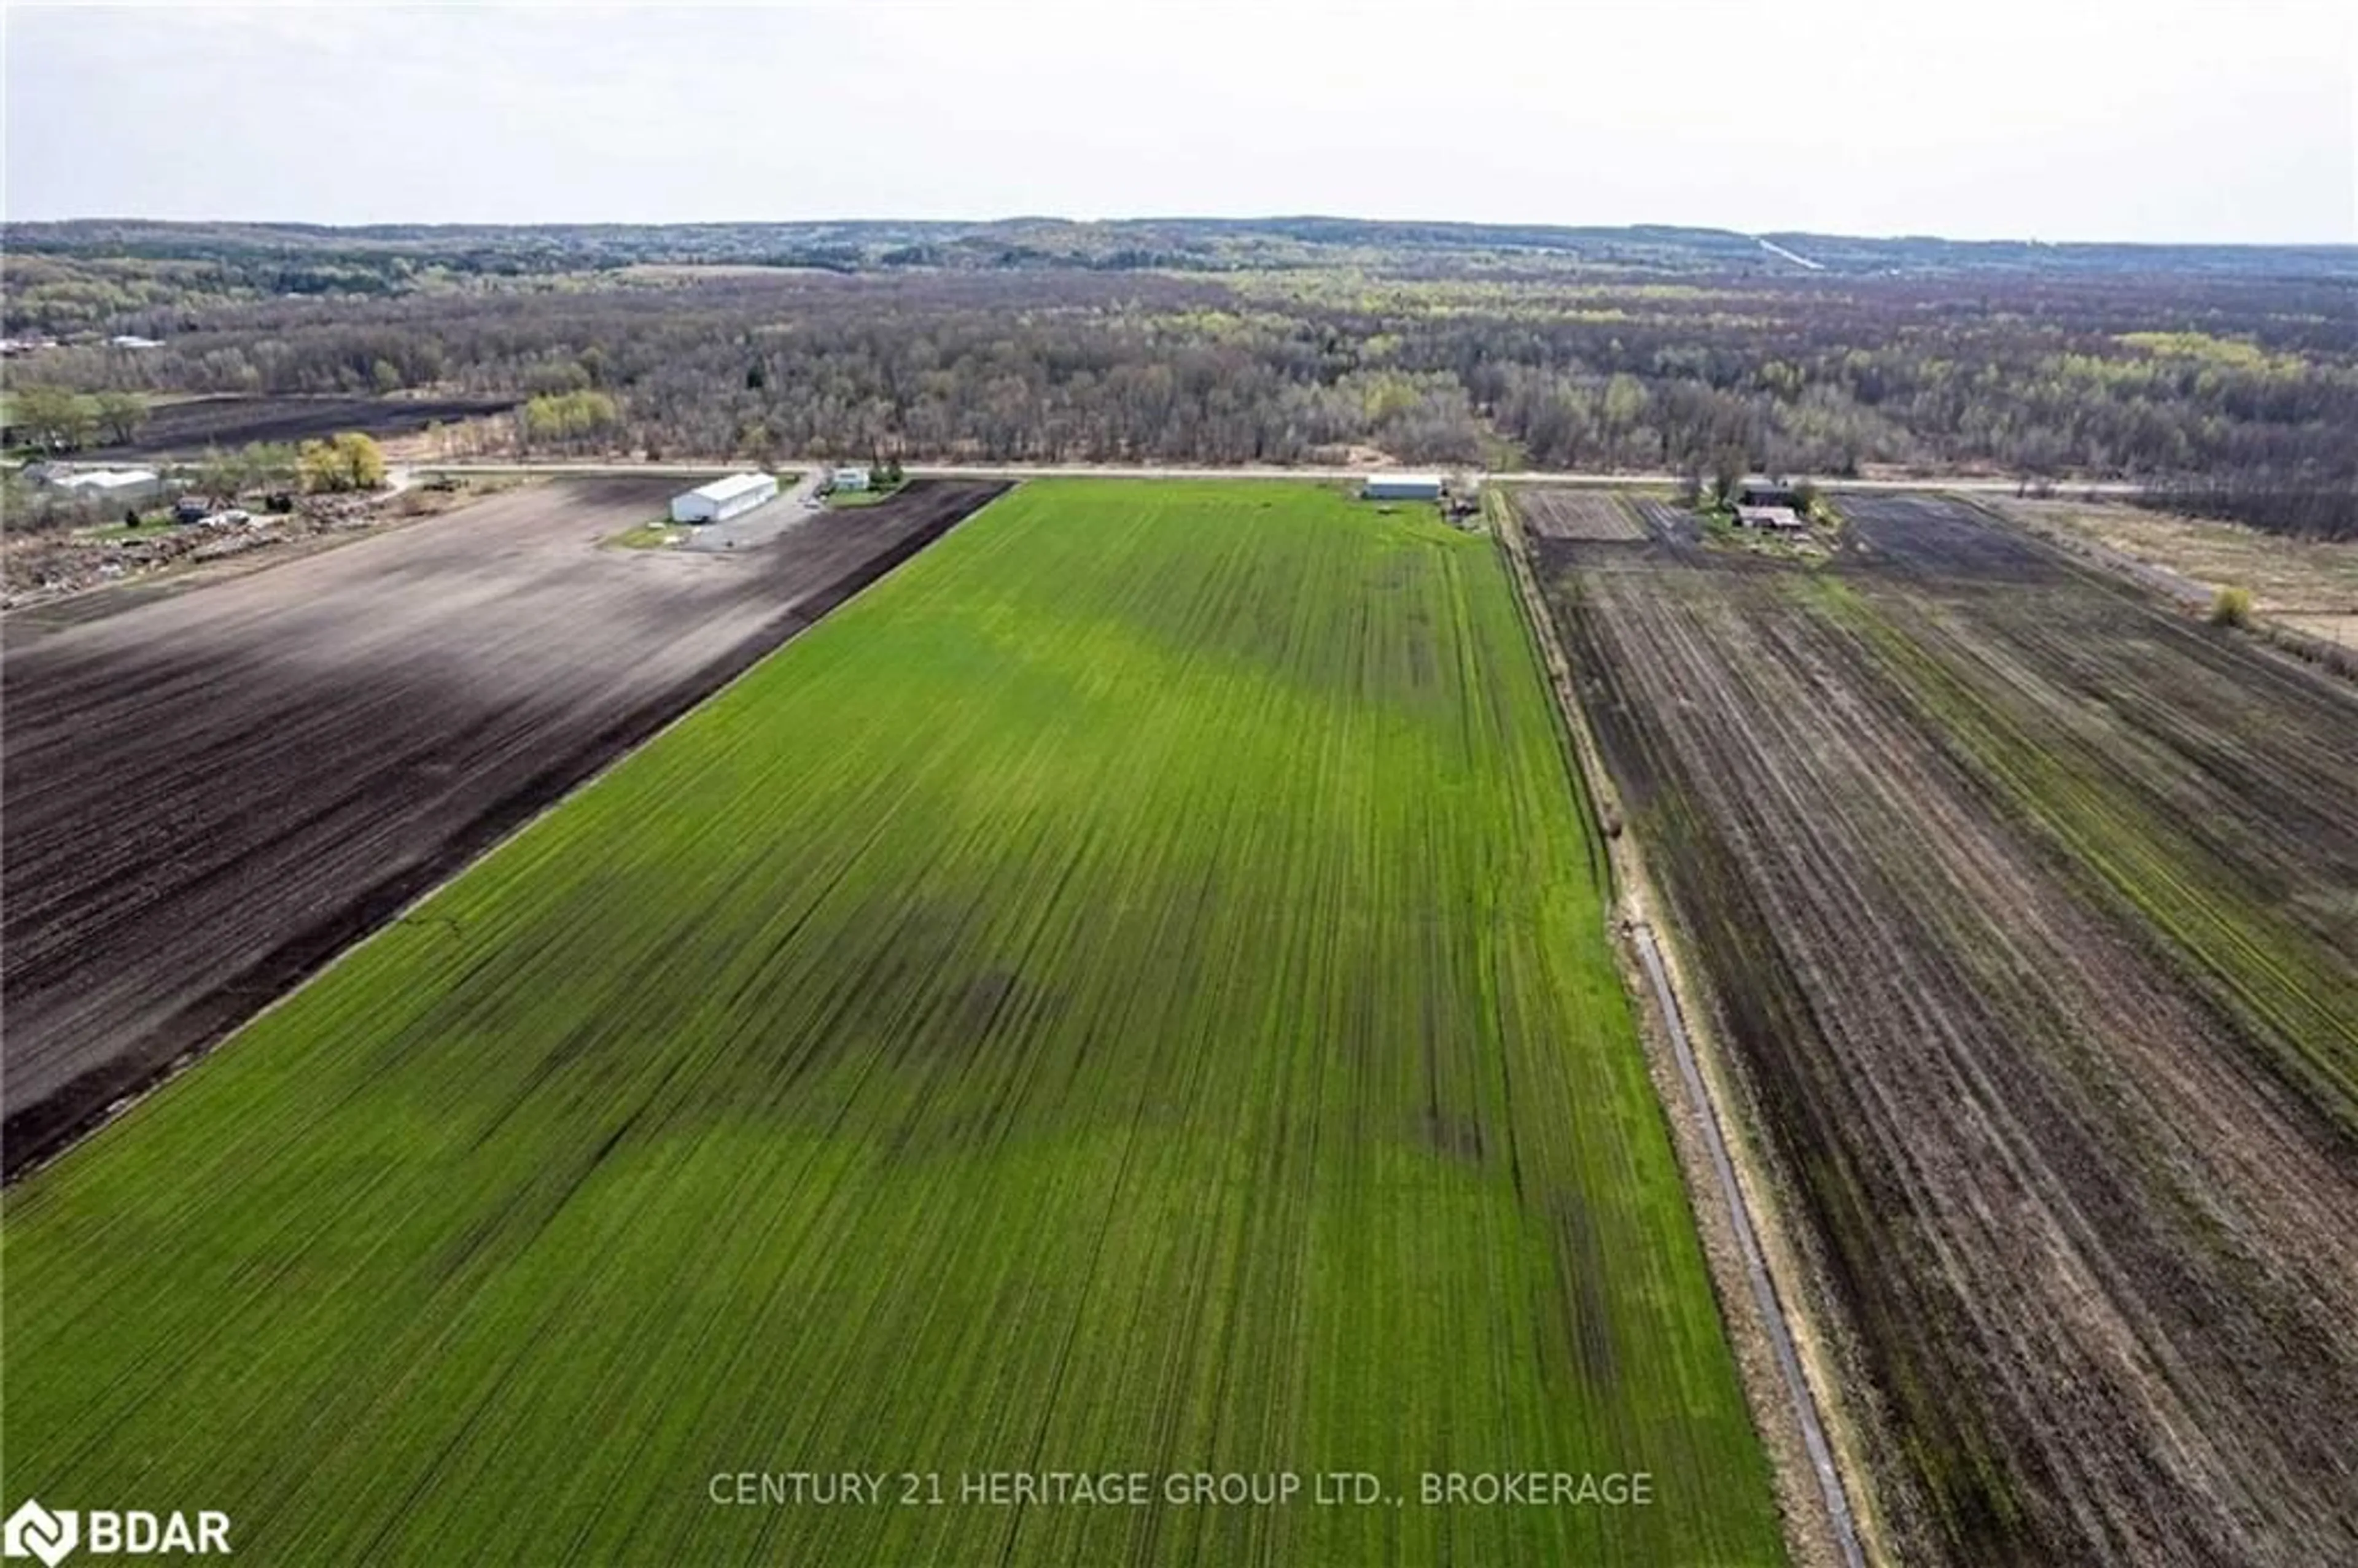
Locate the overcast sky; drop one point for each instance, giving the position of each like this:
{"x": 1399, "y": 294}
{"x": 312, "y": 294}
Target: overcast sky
{"x": 2054, "y": 119}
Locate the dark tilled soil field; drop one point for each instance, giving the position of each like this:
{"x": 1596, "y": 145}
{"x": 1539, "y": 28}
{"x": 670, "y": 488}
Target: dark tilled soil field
{"x": 1565, "y": 514}
{"x": 2027, "y": 908}
{"x": 186, "y": 429}
{"x": 211, "y": 794}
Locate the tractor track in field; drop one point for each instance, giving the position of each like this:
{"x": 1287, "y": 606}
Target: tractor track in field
{"x": 1755, "y": 1265}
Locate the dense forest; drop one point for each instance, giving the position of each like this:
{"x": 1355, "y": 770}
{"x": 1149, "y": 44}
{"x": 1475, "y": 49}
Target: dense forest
{"x": 2226, "y": 380}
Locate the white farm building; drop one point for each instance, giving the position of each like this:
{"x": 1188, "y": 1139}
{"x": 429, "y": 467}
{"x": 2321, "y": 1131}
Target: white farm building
{"x": 723, "y": 498}
{"x": 114, "y": 485}
{"x": 1401, "y": 487}
{"x": 849, "y": 479}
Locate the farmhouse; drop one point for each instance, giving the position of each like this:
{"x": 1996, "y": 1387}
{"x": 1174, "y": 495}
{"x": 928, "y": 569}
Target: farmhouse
{"x": 1401, "y": 487}
{"x": 1762, "y": 503}
{"x": 723, "y": 498}
{"x": 849, "y": 479}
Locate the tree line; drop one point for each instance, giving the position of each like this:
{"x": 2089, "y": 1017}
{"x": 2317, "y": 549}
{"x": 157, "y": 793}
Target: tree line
{"x": 2234, "y": 393}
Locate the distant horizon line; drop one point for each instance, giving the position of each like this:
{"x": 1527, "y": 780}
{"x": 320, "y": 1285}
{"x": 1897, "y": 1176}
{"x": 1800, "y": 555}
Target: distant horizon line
{"x": 1473, "y": 224}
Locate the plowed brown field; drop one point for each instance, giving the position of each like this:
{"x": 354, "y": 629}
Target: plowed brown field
{"x": 188, "y": 428}
{"x": 2027, "y": 908}
{"x": 210, "y": 794}
{"x": 1560, "y": 514}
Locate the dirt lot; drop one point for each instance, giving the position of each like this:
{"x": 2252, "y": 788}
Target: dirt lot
{"x": 40, "y": 570}
{"x": 212, "y": 792}
{"x": 186, "y": 429}
{"x": 2027, "y": 905}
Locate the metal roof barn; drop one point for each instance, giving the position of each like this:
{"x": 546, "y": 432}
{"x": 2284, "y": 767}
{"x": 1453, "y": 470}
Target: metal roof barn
{"x": 111, "y": 481}
{"x": 1401, "y": 487}
{"x": 723, "y": 498}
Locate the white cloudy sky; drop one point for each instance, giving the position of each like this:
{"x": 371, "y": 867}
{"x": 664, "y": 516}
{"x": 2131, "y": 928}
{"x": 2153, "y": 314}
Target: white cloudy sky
{"x": 2056, "y": 119}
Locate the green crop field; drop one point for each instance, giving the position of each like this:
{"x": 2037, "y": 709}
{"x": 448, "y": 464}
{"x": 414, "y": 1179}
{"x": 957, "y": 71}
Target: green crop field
{"x": 1128, "y": 994}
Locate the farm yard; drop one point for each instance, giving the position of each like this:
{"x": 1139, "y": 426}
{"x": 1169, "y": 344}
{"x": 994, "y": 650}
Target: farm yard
{"x": 2023, "y": 907}
{"x": 1128, "y": 993}
{"x": 212, "y": 791}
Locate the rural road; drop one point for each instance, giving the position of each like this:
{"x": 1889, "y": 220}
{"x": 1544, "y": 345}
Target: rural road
{"x": 1101, "y": 471}
{"x": 1756, "y": 1268}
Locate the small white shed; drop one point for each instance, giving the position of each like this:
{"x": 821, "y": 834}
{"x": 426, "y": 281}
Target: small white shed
{"x": 723, "y": 498}
{"x": 849, "y": 479}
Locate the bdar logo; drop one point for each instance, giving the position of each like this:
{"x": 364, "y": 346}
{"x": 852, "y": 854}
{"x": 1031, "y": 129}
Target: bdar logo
{"x": 33, "y": 1532}
{"x": 50, "y": 1534}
